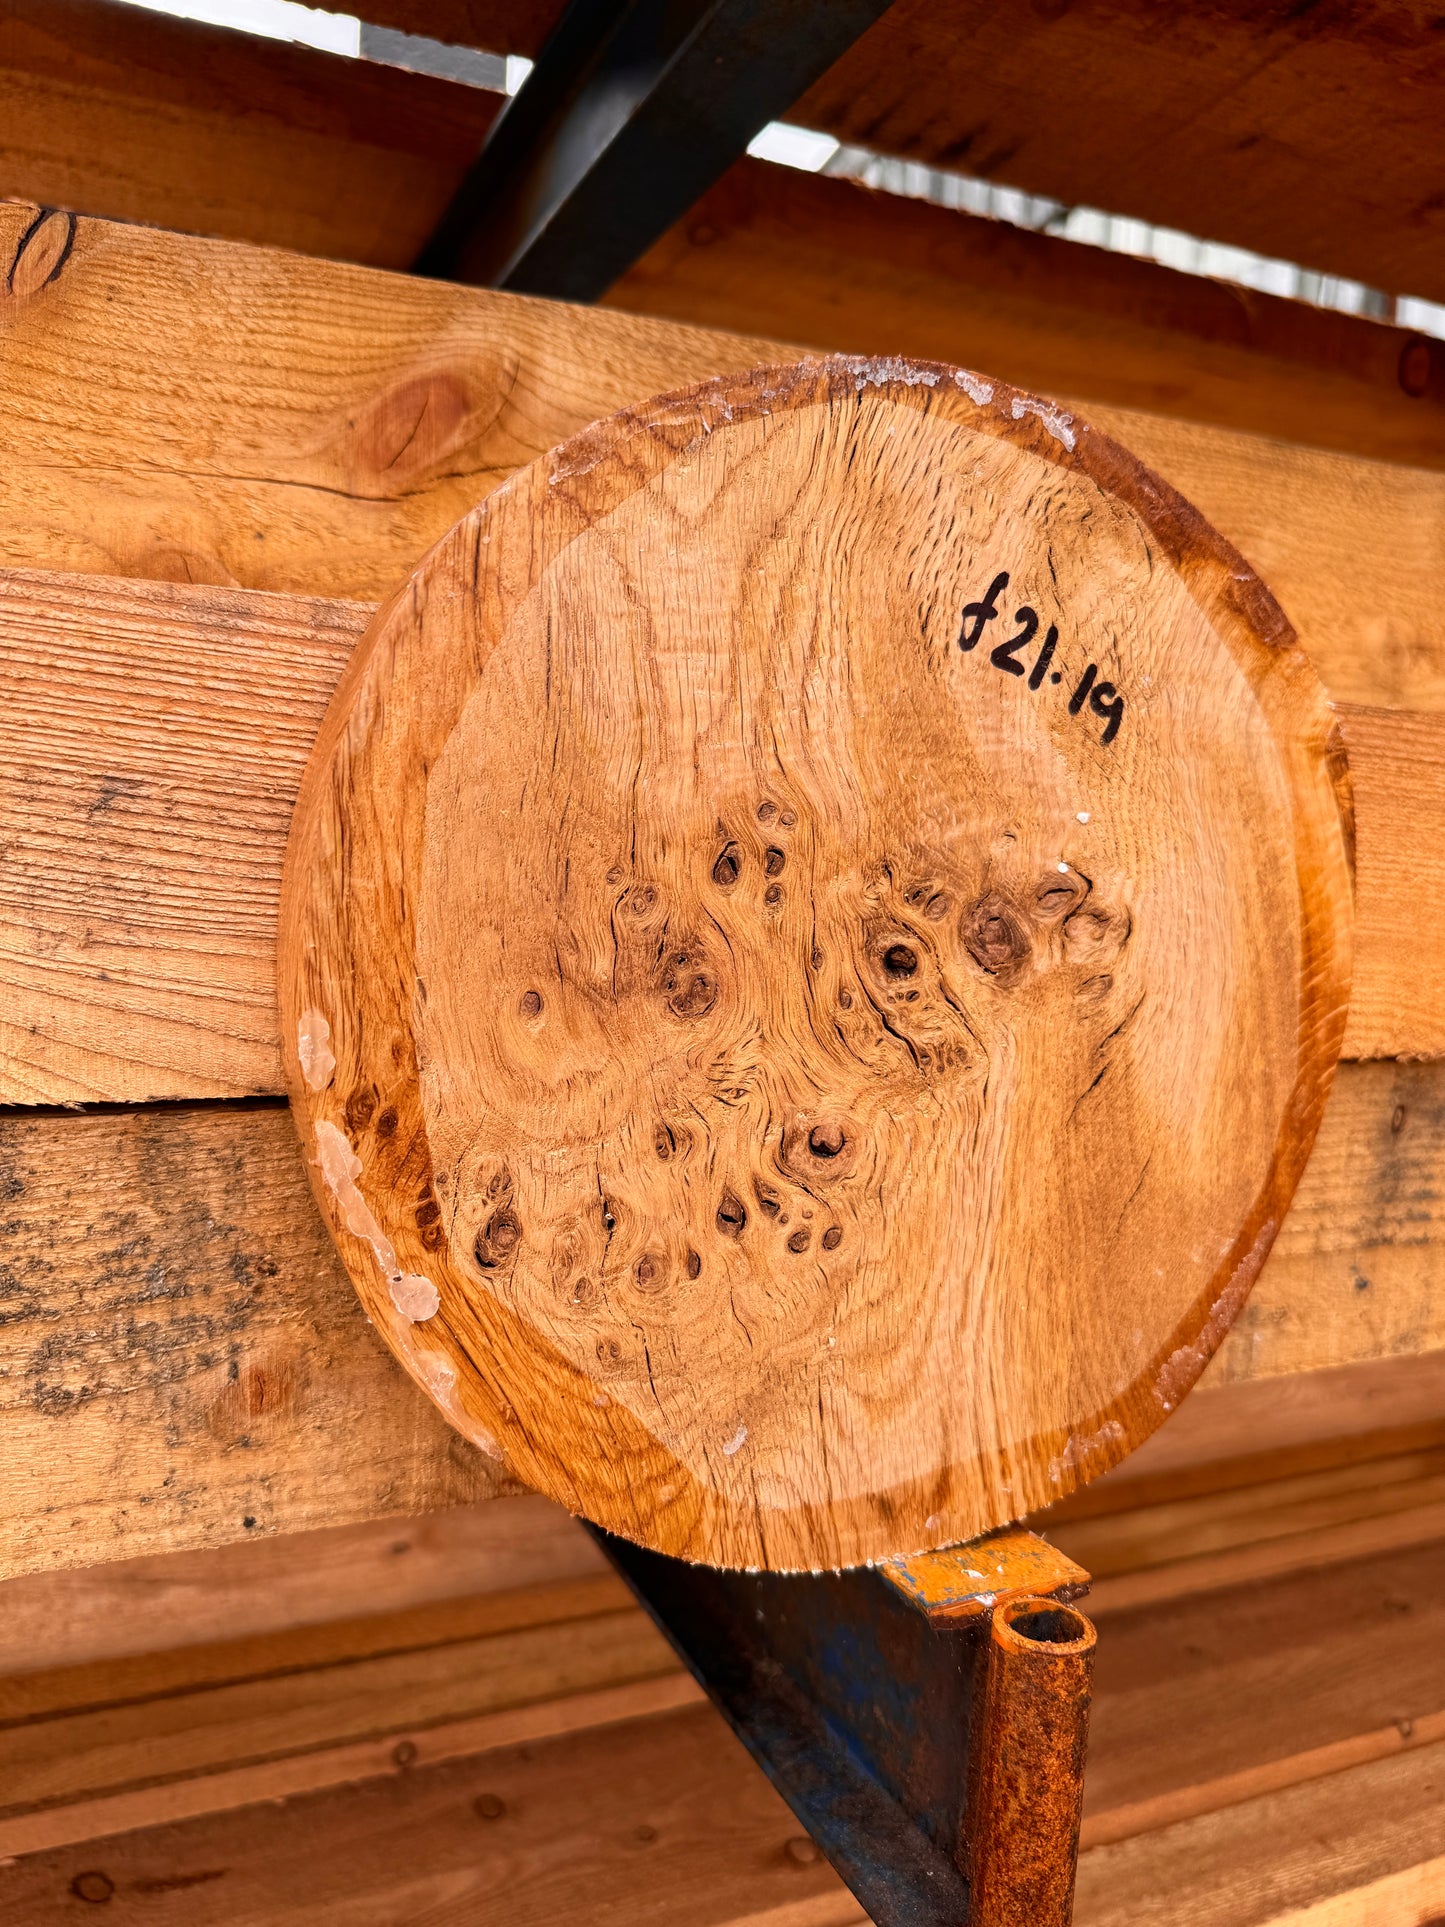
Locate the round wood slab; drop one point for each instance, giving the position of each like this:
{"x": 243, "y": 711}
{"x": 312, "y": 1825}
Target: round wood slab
{"x": 815, "y": 941}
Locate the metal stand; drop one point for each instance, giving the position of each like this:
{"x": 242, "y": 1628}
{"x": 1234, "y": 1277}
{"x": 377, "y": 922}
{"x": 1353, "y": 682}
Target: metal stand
{"x": 926, "y": 1720}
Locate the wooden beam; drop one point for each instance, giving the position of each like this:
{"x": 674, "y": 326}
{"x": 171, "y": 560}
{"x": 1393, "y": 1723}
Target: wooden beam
{"x": 810, "y": 258}
{"x": 183, "y": 1362}
{"x": 201, "y": 411}
{"x": 1311, "y": 133}
{"x": 183, "y": 1359}
{"x": 494, "y": 26}
{"x": 159, "y": 732}
{"x": 112, "y": 110}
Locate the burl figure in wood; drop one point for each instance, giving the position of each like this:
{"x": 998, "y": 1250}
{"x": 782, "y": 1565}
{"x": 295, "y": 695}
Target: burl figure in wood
{"x": 816, "y": 937}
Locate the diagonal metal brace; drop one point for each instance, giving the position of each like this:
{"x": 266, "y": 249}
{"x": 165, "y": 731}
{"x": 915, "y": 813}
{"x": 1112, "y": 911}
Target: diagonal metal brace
{"x": 926, "y": 1719}
{"x": 634, "y": 109}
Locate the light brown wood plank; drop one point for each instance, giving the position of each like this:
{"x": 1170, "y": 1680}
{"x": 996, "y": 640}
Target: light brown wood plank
{"x": 158, "y": 733}
{"x": 72, "y": 1755}
{"x": 1244, "y": 122}
{"x": 352, "y": 417}
{"x": 808, "y": 257}
{"x": 1263, "y": 1863}
{"x": 342, "y": 1764}
{"x": 187, "y": 1355}
{"x": 258, "y": 1589}
{"x": 161, "y": 730}
{"x": 166, "y": 1671}
{"x": 112, "y": 110}
{"x": 184, "y": 1361}
{"x": 654, "y": 1822}
{"x": 1193, "y": 1696}
{"x": 1194, "y": 1526}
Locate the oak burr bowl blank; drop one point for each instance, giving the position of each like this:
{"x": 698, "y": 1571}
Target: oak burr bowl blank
{"x": 815, "y": 941}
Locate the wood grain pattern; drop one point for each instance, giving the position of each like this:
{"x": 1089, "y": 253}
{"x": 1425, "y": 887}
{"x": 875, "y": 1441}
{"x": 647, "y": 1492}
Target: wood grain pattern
{"x": 1244, "y": 120}
{"x": 353, "y": 417}
{"x": 121, "y": 1420}
{"x": 159, "y": 732}
{"x": 101, "y": 1616}
{"x": 182, "y": 1361}
{"x": 818, "y": 259}
{"x": 109, "y": 111}
{"x": 155, "y": 738}
{"x": 663, "y": 1818}
{"x": 674, "y": 911}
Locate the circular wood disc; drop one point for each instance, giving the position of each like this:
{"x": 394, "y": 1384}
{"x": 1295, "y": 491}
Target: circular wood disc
{"x": 815, "y": 941}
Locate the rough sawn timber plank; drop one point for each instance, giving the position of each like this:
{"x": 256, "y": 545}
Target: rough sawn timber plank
{"x": 156, "y": 734}
{"x": 183, "y": 1361}
{"x": 1245, "y": 120}
{"x": 203, "y": 411}
{"x": 119, "y": 111}
{"x": 815, "y": 258}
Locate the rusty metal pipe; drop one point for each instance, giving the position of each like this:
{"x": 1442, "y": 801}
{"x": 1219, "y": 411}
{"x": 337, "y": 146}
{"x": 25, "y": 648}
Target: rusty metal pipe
{"x": 1026, "y": 1770}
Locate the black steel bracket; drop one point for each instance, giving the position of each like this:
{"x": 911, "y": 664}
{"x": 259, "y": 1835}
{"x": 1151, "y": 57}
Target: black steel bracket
{"x": 633, "y": 110}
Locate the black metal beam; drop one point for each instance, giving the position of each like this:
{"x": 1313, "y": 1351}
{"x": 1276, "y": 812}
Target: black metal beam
{"x": 634, "y": 109}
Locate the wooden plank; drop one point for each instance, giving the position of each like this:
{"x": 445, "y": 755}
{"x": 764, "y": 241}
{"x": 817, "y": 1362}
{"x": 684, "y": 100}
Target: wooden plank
{"x": 495, "y": 26}
{"x": 1323, "y": 1844}
{"x": 662, "y": 1818}
{"x": 342, "y": 1763}
{"x": 80, "y": 1618}
{"x": 181, "y": 1352}
{"x": 1245, "y": 124}
{"x": 807, "y": 257}
{"x": 1276, "y": 1680}
{"x": 648, "y": 1822}
{"x": 71, "y": 1755}
{"x": 168, "y": 728}
{"x": 352, "y": 418}
{"x": 159, "y": 732}
{"x": 115, "y": 111}
{"x": 184, "y": 1361}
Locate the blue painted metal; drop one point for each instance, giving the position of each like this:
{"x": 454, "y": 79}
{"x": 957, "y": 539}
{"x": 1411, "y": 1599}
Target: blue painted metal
{"x": 857, "y": 1699}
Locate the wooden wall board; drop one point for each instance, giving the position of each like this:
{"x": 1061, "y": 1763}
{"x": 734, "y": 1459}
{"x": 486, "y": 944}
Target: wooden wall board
{"x": 1330, "y": 1798}
{"x": 184, "y": 1362}
{"x": 88, "y": 1752}
{"x": 495, "y": 26}
{"x": 352, "y": 417}
{"x": 158, "y": 743}
{"x": 809, "y": 257}
{"x": 135, "y": 116}
{"x": 1364, "y": 1847}
{"x": 254, "y": 1589}
{"x": 192, "y": 1252}
{"x": 647, "y": 1822}
{"x": 1243, "y": 121}
{"x": 159, "y": 732}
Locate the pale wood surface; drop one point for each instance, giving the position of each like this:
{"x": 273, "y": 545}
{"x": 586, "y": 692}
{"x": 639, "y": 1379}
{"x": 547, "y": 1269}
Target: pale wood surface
{"x": 159, "y": 732}
{"x": 121, "y": 112}
{"x": 194, "y": 1247}
{"x": 597, "y": 1111}
{"x": 183, "y": 1362}
{"x": 1246, "y": 123}
{"x": 819, "y": 259}
{"x": 250, "y": 1589}
{"x": 353, "y": 416}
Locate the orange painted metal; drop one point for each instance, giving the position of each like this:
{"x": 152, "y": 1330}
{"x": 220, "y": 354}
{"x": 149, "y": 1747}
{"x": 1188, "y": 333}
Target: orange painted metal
{"x": 970, "y": 1581}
